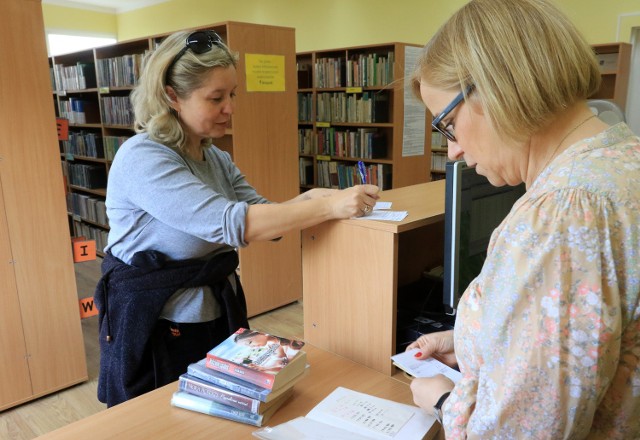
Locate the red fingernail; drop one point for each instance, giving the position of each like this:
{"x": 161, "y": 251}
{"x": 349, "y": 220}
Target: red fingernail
{"x": 418, "y": 354}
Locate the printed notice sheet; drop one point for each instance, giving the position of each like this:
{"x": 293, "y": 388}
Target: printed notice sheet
{"x": 413, "y": 130}
{"x": 424, "y": 367}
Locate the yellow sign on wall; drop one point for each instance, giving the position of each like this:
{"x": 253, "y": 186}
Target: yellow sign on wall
{"x": 265, "y": 73}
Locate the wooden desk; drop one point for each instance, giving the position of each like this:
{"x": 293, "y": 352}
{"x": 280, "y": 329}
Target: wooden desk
{"x": 352, "y": 270}
{"x": 152, "y": 417}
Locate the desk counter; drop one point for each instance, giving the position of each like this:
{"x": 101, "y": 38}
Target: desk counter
{"x": 151, "y": 416}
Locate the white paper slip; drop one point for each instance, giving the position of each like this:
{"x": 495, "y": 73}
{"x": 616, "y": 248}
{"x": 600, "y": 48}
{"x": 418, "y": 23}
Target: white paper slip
{"x": 424, "y": 367}
{"x": 394, "y": 216}
{"x": 382, "y": 205}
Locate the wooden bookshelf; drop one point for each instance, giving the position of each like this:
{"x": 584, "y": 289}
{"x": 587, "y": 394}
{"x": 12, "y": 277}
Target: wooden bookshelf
{"x": 42, "y": 349}
{"x": 261, "y": 143}
{"x": 615, "y": 62}
{"x": 353, "y": 106}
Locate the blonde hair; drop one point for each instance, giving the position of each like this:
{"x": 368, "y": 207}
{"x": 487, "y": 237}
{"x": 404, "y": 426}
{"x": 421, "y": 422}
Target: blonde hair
{"x": 525, "y": 58}
{"x": 151, "y": 103}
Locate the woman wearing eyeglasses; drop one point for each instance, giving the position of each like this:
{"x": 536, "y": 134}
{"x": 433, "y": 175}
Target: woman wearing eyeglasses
{"x": 178, "y": 207}
{"x": 547, "y": 337}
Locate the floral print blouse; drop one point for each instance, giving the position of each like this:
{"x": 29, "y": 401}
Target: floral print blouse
{"x": 548, "y": 335}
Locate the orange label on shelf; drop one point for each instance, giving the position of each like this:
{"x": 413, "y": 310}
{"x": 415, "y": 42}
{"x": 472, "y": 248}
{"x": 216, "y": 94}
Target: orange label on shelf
{"x": 87, "y": 308}
{"x": 63, "y": 129}
{"x": 84, "y": 250}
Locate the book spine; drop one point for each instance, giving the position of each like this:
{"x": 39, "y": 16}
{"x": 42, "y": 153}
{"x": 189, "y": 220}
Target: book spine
{"x": 259, "y": 378}
{"x": 211, "y": 392}
{"x": 188, "y": 401}
{"x": 249, "y": 391}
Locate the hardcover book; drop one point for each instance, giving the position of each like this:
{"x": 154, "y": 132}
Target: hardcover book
{"x": 195, "y": 403}
{"x": 236, "y": 384}
{"x": 260, "y": 358}
{"x": 201, "y": 388}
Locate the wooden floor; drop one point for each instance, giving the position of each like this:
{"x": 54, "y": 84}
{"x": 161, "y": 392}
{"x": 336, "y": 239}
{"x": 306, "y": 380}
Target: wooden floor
{"x": 40, "y": 416}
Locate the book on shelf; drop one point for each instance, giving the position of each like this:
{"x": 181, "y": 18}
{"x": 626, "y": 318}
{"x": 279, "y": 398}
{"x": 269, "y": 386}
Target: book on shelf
{"x": 265, "y": 360}
{"x": 429, "y": 367}
{"x": 349, "y": 415}
{"x": 238, "y": 385}
{"x": 191, "y": 402}
{"x": 215, "y": 393}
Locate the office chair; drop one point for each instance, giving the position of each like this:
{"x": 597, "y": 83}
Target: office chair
{"x": 606, "y": 110}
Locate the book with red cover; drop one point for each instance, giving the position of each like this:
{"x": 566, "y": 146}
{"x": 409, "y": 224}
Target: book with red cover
{"x": 259, "y": 358}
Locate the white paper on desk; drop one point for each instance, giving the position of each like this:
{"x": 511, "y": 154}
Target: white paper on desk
{"x": 382, "y": 205}
{"x": 424, "y": 367}
{"x": 394, "y": 216}
{"x": 325, "y": 421}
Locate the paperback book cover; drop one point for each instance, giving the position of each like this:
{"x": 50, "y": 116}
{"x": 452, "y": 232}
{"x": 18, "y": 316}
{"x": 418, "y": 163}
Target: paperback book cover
{"x": 260, "y": 358}
{"x": 236, "y": 384}
{"x": 201, "y": 388}
{"x": 184, "y": 400}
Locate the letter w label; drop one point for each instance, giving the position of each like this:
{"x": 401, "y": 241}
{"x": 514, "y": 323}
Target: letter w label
{"x": 87, "y": 308}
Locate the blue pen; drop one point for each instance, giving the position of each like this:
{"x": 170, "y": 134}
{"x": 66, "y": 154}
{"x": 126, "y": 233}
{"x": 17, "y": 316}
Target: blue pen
{"x": 363, "y": 172}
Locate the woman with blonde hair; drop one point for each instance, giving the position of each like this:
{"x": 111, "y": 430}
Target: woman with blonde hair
{"x": 547, "y": 337}
{"x": 178, "y": 208}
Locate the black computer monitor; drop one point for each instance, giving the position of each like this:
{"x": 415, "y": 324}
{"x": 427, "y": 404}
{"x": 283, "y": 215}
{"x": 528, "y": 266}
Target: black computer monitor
{"x": 473, "y": 209}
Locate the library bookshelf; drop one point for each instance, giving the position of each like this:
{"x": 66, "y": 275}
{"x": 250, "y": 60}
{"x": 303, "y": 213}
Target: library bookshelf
{"x": 353, "y": 106}
{"x": 261, "y": 142}
{"x": 615, "y": 61}
{"x": 41, "y": 344}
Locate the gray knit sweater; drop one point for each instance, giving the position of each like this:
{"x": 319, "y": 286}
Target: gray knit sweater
{"x": 160, "y": 200}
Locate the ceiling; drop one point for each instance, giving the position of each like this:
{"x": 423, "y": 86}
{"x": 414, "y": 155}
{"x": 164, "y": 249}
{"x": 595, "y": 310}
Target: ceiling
{"x": 108, "y": 6}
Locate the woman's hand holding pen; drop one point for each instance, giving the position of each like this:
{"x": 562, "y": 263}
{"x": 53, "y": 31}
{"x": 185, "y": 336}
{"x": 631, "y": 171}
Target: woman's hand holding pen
{"x": 353, "y": 202}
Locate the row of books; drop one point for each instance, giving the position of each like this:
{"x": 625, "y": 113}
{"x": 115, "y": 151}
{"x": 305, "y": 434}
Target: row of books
{"x": 84, "y": 143}
{"x": 438, "y": 139}
{"x": 307, "y": 141}
{"x": 92, "y": 233}
{"x": 306, "y": 171}
{"x": 87, "y": 207}
{"x": 366, "y": 143}
{"x": 86, "y": 176}
{"x": 121, "y": 71}
{"x": 361, "y": 143}
{"x": 357, "y": 108}
{"x": 117, "y": 110}
{"x": 246, "y": 378}
{"x": 305, "y": 107}
{"x": 112, "y": 144}
{"x": 439, "y": 161}
{"x": 360, "y": 70}
{"x": 89, "y": 144}
{"x": 77, "y": 77}
{"x": 340, "y": 175}
{"x": 74, "y": 109}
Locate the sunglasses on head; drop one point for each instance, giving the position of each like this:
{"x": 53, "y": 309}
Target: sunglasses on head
{"x": 199, "y": 42}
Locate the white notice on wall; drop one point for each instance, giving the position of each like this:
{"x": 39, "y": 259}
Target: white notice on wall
{"x": 413, "y": 131}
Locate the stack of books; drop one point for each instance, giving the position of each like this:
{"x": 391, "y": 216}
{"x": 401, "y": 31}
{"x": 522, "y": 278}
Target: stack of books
{"x": 246, "y": 378}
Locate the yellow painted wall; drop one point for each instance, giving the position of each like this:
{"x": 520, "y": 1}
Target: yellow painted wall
{"x": 333, "y": 23}
{"x": 79, "y": 20}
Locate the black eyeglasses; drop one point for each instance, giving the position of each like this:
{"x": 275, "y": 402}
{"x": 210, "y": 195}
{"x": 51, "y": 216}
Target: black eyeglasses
{"x": 447, "y": 129}
{"x": 199, "y": 42}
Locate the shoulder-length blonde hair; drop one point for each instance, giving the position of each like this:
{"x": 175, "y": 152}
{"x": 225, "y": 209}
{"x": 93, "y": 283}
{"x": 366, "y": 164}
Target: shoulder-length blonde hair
{"x": 525, "y": 58}
{"x": 151, "y": 103}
